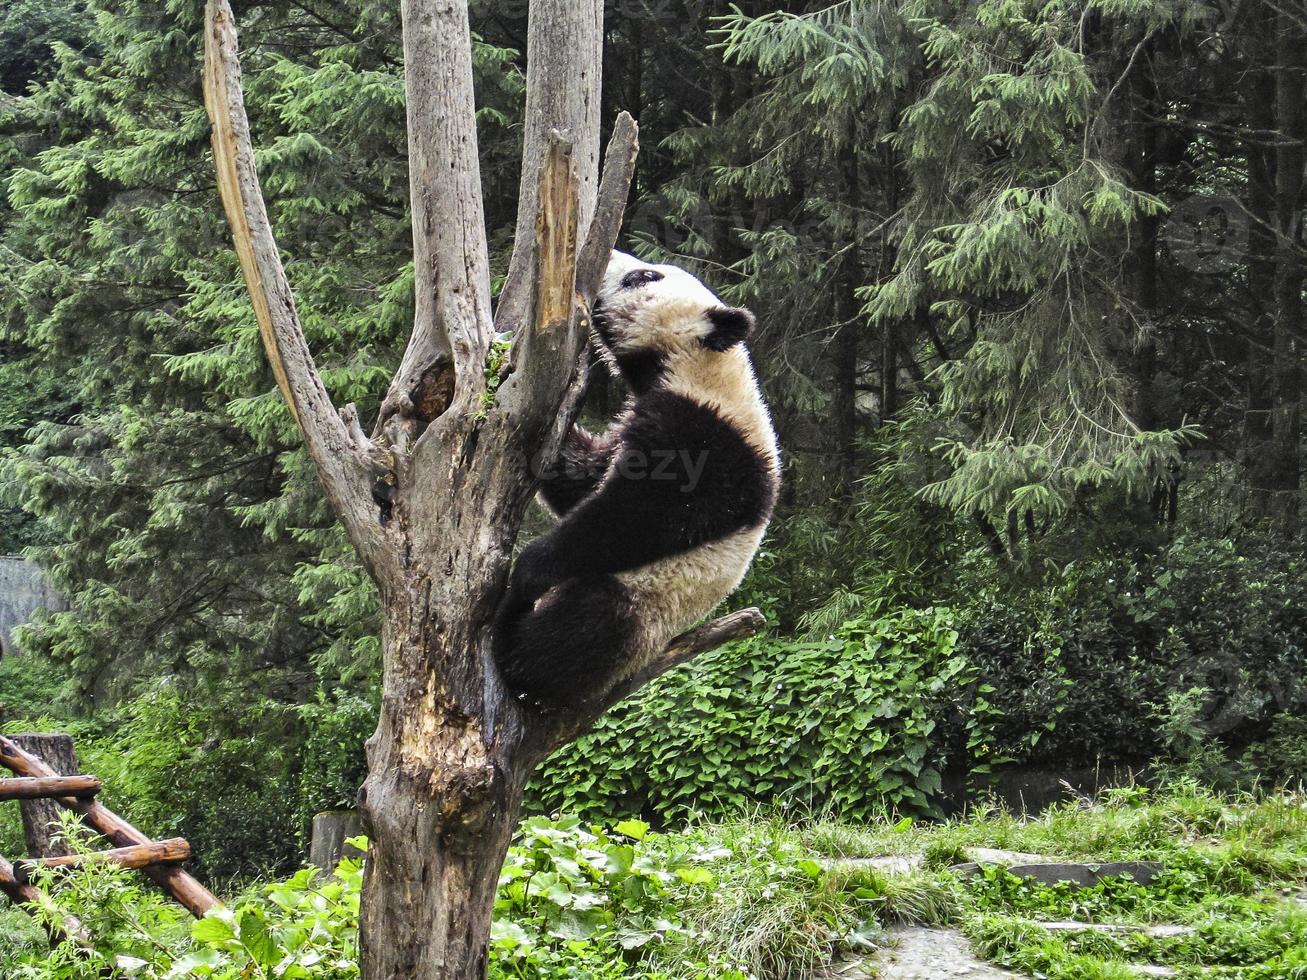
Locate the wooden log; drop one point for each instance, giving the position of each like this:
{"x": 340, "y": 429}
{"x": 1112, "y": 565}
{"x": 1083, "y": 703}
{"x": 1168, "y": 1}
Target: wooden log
{"x": 181, "y": 886}
{"x": 26, "y": 788}
{"x": 174, "y": 850}
{"x": 41, "y": 817}
{"x": 16, "y": 888}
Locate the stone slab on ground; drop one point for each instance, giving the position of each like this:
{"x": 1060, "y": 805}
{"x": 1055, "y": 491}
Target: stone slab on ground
{"x": 921, "y": 953}
{"x": 1120, "y": 928}
{"x": 887, "y": 864}
{"x": 901, "y": 864}
{"x": 995, "y": 855}
{"x": 1084, "y": 875}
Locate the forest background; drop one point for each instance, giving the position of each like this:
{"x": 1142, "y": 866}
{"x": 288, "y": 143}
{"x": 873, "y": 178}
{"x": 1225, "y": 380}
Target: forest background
{"x": 1029, "y": 279}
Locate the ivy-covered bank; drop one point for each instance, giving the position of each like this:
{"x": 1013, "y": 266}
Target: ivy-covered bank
{"x": 1193, "y": 659}
{"x": 766, "y": 899}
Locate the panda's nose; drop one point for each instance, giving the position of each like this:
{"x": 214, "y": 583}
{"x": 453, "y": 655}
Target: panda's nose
{"x": 639, "y": 277}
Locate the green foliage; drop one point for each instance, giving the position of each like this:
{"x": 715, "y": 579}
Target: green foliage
{"x": 29, "y": 29}
{"x": 1061, "y": 669}
{"x": 757, "y": 899}
{"x": 302, "y": 928}
{"x": 851, "y": 723}
{"x": 255, "y": 773}
{"x": 731, "y": 903}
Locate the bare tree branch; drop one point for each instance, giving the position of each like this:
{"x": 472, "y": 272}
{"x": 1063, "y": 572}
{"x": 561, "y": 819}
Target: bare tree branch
{"x": 564, "y": 52}
{"x": 614, "y": 188}
{"x": 682, "y": 650}
{"x": 689, "y": 645}
{"x": 452, "y": 326}
{"x": 610, "y": 207}
{"x": 344, "y": 466}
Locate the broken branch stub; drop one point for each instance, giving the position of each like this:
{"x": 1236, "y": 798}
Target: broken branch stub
{"x": 610, "y": 207}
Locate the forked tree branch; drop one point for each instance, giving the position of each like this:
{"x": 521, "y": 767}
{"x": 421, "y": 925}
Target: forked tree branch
{"x": 345, "y": 466}
{"x": 544, "y": 354}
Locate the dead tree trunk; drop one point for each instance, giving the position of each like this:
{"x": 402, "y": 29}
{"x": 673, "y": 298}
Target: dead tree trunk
{"x": 453, "y": 750}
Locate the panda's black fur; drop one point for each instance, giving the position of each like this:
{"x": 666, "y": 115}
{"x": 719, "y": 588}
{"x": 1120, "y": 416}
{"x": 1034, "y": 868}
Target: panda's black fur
{"x": 659, "y": 516}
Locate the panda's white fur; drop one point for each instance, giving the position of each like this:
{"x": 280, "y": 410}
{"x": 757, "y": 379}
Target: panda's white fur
{"x": 675, "y": 593}
{"x": 633, "y": 561}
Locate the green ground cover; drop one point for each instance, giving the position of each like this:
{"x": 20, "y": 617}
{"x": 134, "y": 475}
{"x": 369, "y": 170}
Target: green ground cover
{"x": 769, "y": 898}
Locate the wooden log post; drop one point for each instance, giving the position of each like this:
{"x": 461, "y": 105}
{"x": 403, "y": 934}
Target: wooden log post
{"x": 331, "y": 829}
{"x": 41, "y": 816}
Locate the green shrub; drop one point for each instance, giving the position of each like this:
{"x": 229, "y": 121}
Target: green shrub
{"x": 850, "y": 724}
{"x": 332, "y": 762}
{"x": 1081, "y": 658}
{"x": 574, "y": 903}
{"x": 241, "y": 779}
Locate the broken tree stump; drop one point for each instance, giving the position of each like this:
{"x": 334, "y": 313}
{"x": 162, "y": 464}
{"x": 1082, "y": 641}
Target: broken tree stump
{"x": 41, "y": 817}
{"x": 331, "y": 829}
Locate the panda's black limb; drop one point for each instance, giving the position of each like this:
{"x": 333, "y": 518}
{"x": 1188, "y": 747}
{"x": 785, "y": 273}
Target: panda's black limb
{"x": 568, "y": 645}
{"x": 580, "y": 466}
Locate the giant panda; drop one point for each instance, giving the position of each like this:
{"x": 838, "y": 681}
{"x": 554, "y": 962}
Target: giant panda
{"x": 660, "y": 516}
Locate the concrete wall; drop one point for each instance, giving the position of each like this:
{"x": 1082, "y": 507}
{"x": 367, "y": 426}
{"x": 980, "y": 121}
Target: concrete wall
{"x": 22, "y": 593}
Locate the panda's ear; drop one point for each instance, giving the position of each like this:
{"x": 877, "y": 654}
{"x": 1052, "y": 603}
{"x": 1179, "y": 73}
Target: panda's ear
{"x": 730, "y": 326}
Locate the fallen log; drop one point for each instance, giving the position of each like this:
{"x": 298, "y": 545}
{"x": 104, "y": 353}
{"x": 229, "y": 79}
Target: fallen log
{"x": 181, "y": 886}
{"x": 44, "y": 788}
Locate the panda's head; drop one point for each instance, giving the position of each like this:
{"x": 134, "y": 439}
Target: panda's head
{"x": 649, "y": 317}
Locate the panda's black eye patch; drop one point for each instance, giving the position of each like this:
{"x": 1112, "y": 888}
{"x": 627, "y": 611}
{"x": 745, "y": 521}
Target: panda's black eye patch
{"x": 639, "y": 277}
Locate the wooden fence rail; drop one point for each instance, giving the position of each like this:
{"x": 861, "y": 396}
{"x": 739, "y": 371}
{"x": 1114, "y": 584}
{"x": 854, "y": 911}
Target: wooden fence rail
{"x": 29, "y": 788}
{"x": 132, "y": 849}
